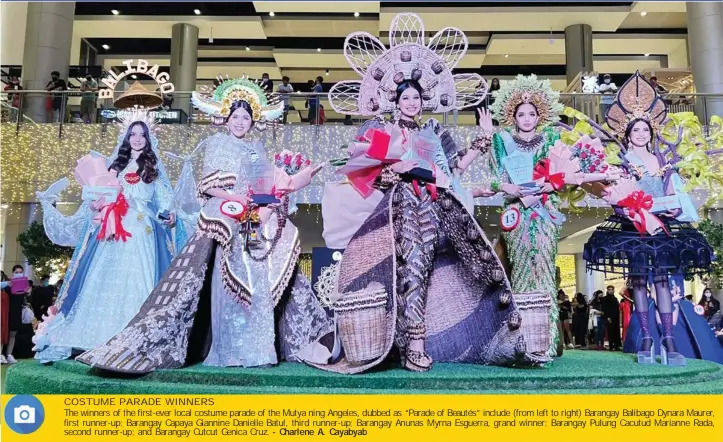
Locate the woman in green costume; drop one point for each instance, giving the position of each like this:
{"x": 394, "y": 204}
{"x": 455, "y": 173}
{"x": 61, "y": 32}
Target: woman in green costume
{"x": 531, "y": 220}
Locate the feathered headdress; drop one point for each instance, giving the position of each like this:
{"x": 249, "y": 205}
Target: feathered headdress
{"x": 216, "y": 101}
{"x": 409, "y": 57}
{"x": 636, "y": 99}
{"x": 526, "y": 89}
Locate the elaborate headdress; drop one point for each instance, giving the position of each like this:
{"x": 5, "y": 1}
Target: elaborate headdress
{"x": 636, "y": 99}
{"x": 408, "y": 58}
{"x": 216, "y": 101}
{"x": 526, "y": 89}
{"x": 135, "y": 114}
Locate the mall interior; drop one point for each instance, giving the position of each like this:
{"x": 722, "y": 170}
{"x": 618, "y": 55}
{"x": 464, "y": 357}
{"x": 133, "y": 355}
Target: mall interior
{"x": 192, "y": 43}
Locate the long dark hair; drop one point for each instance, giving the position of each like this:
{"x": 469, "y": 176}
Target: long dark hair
{"x": 406, "y": 85}
{"x": 580, "y": 298}
{"x": 147, "y": 161}
{"x": 243, "y": 105}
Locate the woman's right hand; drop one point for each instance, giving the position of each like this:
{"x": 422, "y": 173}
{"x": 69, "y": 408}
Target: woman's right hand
{"x": 243, "y": 199}
{"x": 98, "y": 204}
{"x": 485, "y": 121}
{"x": 512, "y": 190}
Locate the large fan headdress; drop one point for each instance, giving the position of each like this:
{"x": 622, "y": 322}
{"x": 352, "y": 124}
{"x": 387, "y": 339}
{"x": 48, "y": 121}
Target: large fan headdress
{"x": 526, "y": 89}
{"x": 407, "y": 58}
{"x": 216, "y": 101}
{"x": 636, "y": 100}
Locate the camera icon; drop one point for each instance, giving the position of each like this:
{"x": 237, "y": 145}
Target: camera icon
{"x": 24, "y": 414}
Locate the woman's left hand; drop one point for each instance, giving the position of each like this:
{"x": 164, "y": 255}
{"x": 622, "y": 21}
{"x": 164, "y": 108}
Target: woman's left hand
{"x": 671, "y": 213}
{"x": 171, "y": 221}
{"x": 547, "y": 188}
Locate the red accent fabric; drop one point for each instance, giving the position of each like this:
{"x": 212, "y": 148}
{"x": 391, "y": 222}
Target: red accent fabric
{"x": 378, "y": 144}
{"x": 117, "y": 210}
{"x": 430, "y": 187}
{"x": 542, "y": 171}
{"x": 625, "y": 310}
{"x": 638, "y": 202}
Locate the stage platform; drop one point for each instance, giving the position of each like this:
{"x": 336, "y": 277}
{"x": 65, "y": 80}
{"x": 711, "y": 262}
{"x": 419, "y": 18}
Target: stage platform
{"x": 577, "y": 372}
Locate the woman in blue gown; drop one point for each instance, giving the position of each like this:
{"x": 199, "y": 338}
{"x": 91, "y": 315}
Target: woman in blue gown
{"x": 109, "y": 279}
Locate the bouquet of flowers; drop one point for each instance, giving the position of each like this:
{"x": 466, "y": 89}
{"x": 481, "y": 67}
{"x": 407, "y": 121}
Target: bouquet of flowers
{"x": 591, "y": 154}
{"x": 98, "y": 182}
{"x": 290, "y": 162}
{"x": 626, "y": 195}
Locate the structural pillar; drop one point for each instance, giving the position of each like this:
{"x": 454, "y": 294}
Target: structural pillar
{"x": 705, "y": 46}
{"x": 184, "y": 64}
{"x": 578, "y": 50}
{"x": 48, "y": 38}
{"x": 587, "y": 282}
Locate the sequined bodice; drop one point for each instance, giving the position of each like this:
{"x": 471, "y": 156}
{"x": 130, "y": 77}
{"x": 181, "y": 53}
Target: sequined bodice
{"x": 650, "y": 184}
{"x": 233, "y": 155}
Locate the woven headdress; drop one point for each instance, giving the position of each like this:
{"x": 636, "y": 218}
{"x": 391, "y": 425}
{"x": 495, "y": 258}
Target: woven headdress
{"x": 407, "y": 58}
{"x": 526, "y": 89}
{"x": 216, "y": 101}
{"x": 636, "y": 100}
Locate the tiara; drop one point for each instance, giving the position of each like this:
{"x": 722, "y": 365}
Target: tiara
{"x": 636, "y": 100}
{"x": 217, "y": 101}
{"x": 529, "y": 90}
{"x": 127, "y": 117}
{"x": 409, "y": 57}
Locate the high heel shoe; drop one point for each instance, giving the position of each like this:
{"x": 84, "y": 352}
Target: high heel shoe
{"x": 647, "y": 354}
{"x": 416, "y": 361}
{"x": 671, "y": 358}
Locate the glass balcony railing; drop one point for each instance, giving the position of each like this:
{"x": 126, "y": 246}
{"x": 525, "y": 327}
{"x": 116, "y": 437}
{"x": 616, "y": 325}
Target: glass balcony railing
{"x": 68, "y": 107}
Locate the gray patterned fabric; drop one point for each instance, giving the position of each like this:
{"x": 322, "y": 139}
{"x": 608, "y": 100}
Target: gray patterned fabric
{"x": 470, "y": 315}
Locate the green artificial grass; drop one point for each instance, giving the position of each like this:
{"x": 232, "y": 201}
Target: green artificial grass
{"x": 577, "y": 372}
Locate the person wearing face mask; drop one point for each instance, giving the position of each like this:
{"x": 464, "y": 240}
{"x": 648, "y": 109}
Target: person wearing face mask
{"x": 409, "y": 254}
{"x": 709, "y": 303}
{"x": 58, "y": 100}
{"x": 527, "y": 109}
{"x": 42, "y": 297}
{"x": 15, "y": 302}
{"x": 645, "y": 242}
{"x": 14, "y": 98}
{"x": 121, "y": 247}
{"x": 89, "y": 88}
{"x": 226, "y": 286}
{"x": 608, "y": 89}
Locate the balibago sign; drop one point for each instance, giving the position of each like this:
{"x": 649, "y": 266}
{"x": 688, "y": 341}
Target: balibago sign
{"x": 141, "y": 67}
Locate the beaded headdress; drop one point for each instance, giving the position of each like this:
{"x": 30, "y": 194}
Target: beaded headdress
{"x": 636, "y": 100}
{"x": 409, "y": 57}
{"x": 530, "y": 90}
{"x": 217, "y": 101}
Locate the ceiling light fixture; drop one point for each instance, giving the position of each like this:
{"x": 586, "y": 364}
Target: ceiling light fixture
{"x": 643, "y": 13}
{"x": 356, "y": 14}
{"x": 135, "y": 77}
{"x": 248, "y": 48}
{"x": 507, "y": 55}
{"x": 106, "y": 47}
{"x": 271, "y": 14}
{"x": 197, "y": 11}
{"x": 327, "y": 72}
{"x": 115, "y": 11}
{"x": 318, "y": 49}
{"x": 647, "y": 55}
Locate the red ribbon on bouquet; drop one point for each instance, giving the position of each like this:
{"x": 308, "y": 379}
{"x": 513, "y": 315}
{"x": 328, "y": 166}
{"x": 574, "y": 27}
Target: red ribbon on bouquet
{"x": 114, "y": 226}
{"x": 640, "y": 203}
{"x": 542, "y": 171}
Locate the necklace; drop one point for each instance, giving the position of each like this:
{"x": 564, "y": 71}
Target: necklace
{"x": 528, "y": 145}
{"x": 408, "y": 124}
